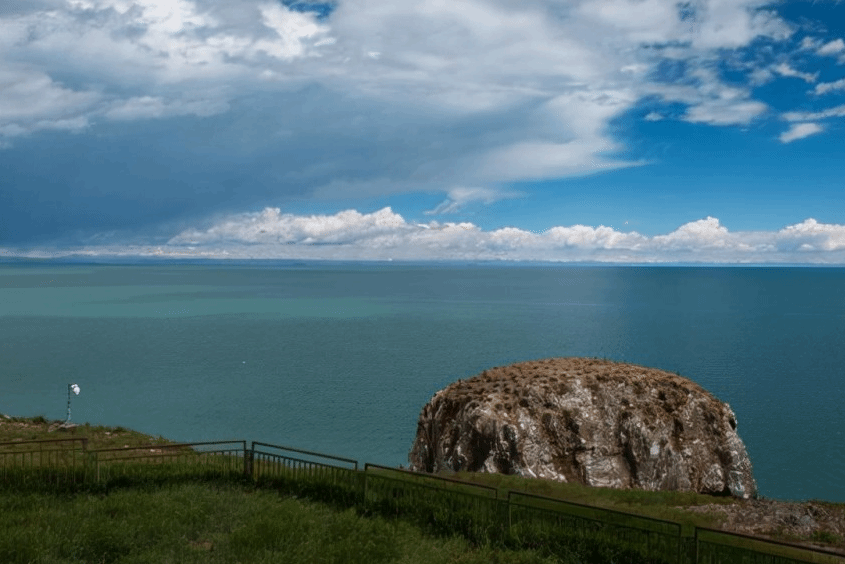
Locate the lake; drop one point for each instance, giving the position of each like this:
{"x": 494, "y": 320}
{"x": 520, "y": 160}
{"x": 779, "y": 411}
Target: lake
{"x": 341, "y": 357}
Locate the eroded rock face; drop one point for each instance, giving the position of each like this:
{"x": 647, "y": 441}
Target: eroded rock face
{"x": 582, "y": 420}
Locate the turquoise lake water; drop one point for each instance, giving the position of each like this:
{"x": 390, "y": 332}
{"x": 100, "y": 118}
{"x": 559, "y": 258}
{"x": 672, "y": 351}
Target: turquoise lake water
{"x": 340, "y": 358}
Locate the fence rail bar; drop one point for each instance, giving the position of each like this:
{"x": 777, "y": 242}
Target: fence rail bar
{"x": 306, "y": 452}
{"x": 173, "y": 446}
{"x": 740, "y": 540}
{"x": 663, "y": 526}
{"x": 494, "y": 492}
{"x": 281, "y": 458}
{"x": 430, "y": 485}
{"x": 83, "y": 440}
{"x": 163, "y": 455}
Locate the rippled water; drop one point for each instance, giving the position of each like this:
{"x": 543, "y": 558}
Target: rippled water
{"x": 341, "y": 357}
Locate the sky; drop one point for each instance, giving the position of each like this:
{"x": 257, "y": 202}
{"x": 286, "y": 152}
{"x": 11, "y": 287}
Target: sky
{"x": 628, "y": 131}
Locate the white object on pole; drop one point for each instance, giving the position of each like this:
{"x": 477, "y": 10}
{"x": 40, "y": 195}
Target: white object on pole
{"x": 70, "y": 388}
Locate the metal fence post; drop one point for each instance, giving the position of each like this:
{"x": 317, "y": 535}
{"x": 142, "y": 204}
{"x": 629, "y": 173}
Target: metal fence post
{"x": 85, "y": 465}
{"x": 696, "y": 545}
{"x": 508, "y": 520}
{"x": 94, "y": 465}
{"x": 249, "y": 458}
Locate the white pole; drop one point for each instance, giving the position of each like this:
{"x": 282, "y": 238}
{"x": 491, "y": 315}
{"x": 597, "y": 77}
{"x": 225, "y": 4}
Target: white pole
{"x": 70, "y": 388}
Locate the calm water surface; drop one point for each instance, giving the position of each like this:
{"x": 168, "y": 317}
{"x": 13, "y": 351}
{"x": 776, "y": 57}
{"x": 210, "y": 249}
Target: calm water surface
{"x": 341, "y": 357}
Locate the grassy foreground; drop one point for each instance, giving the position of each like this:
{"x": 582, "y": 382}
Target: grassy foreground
{"x": 202, "y": 523}
{"x": 178, "y": 521}
{"x": 205, "y": 522}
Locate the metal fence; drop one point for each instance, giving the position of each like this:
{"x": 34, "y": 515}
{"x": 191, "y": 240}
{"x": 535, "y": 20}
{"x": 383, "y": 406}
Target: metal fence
{"x": 449, "y": 505}
{"x": 43, "y": 463}
{"x": 305, "y": 471}
{"x": 655, "y": 539}
{"x": 455, "y": 506}
{"x": 188, "y": 460}
{"x": 715, "y": 547}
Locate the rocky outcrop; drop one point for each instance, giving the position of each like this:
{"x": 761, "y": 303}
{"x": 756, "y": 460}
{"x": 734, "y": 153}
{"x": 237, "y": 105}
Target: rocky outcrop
{"x": 591, "y": 421}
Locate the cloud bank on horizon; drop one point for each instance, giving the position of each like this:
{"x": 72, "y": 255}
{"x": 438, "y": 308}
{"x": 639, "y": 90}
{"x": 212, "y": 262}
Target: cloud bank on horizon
{"x": 501, "y": 130}
{"x": 386, "y": 235}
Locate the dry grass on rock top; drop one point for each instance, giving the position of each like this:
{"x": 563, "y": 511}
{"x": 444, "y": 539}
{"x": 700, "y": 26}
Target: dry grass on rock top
{"x": 511, "y": 383}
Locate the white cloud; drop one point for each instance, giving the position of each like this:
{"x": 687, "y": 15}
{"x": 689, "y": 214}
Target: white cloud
{"x": 725, "y": 111}
{"x": 165, "y": 58}
{"x": 138, "y": 108}
{"x": 703, "y": 233}
{"x": 709, "y": 100}
{"x": 808, "y": 43}
{"x": 593, "y": 238}
{"x": 653, "y": 116}
{"x": 836, "y": 111}
{"x": 32, "y": 101}
{"x": 759, "y": 76}
{"x": 799, "y": 131}
{"x": 784, "y": 69}
{"x": 554, "y": 76}
{"x": 461, "y": 196}
{"x": 384, "y": 234}
{"x": 832, "y": 48}
{"x": 645, "y": 21}
{"x": 714, "y": 24}
{"x": 544, "y": 160}
{"x": 726, "y": 24}
{"x": 825, "y": 87}
{"x": 292, "y": 30}
{"x": 272, "y": 227}
{"x": 571, "y": 140}
{"x": 811, "y": 235}
{"x": 149, "y": 107}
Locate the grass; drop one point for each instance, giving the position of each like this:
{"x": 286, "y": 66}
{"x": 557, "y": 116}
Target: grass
{"x": 153, "y": 521}
{"x": 666, "y": 505}
{"x": 826, "y": 537}
{"x": 217, "y": 524}
{"x": 99, "y": 437}
{"x": 156, "y": 514}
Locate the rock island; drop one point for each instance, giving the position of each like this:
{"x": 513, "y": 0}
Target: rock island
{"x": 592, "y": 421}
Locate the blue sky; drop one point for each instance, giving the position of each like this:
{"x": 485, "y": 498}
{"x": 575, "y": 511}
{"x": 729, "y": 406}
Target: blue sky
{"x": 599, "y": 130}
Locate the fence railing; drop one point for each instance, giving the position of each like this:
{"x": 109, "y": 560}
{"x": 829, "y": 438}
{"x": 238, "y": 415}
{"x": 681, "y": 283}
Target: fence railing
{"x": 477, "y": 511}
{"x": 449, "y": 505}
{"x": 721, "y": 546}
{"x": 655, "y": 539}
{"x": 208, "y": 459}
{"x": 43, "y": 462}
{"x": 306, "y": 471}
